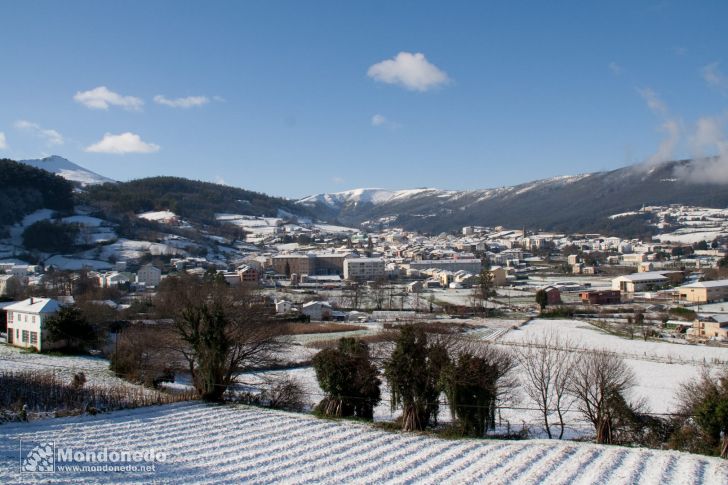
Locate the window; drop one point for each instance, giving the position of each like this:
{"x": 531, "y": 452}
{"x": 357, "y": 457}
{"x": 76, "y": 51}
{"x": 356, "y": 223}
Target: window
{"x": 34, "y": 338}
{"x": 10, "y": 317}
{"x": 26, "y": 336}
{"x": 33, "y": 318}
{"x": 10, "y": 335}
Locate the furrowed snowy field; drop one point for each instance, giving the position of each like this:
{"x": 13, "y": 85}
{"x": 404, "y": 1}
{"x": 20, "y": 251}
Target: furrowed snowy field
{"x": 239, "y": 444}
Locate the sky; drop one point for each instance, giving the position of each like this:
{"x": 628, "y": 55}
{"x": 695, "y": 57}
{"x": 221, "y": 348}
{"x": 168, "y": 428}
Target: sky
{"x": 294, "y": 98}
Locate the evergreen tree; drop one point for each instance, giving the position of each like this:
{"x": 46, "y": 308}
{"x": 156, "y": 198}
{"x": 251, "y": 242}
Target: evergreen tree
{"x": 349, "y": 379}
{"x": 470, "y": 384}
{"x": 413, "y": 372}
{"x": 70, "y": 327}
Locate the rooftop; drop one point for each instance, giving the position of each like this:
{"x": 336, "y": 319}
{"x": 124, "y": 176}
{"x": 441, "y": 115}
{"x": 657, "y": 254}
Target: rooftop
{"x": 35, "y": 305}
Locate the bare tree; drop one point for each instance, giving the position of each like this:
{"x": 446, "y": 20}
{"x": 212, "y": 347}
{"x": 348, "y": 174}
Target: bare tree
{"x": 379, "y": 293}
{"x": 599, "y": 384}
{"x": 547, "y": 365}
{"x": 221, "y": 332}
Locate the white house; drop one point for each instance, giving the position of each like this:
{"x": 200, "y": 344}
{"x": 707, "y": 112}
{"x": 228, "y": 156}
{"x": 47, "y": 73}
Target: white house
{"x": 317, "y": 310}
{"x": 283, "y": 306}
{"x": 25, "y": 322}
{"x": 8, "y": 283}
{"x": 149, "y": 275}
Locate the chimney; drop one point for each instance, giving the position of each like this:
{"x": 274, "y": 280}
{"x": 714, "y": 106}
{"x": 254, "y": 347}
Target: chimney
{"x": 31, "y": 300}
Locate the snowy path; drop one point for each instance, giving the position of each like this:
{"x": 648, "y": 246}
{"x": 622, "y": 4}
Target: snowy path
{"x": 237, "y": 444}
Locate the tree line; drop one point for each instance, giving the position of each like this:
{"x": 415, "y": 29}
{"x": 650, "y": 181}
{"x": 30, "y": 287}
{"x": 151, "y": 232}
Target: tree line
{"x": 27, "y": 189}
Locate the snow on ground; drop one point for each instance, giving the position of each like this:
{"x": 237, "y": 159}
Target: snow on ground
{"x": 333, "y": 229}
{"x": 688, "y": 237}
{"x": 158, "y": 216}
{"x": 16, "y": 231}
{"x": 660, "y": 367}
{"x": 260, "y": 226}
{"x": 125, "y": 249}
{"x": 63, "y": 262}
{"x": 239, "y": 444}
{"x": 96, "y": 369}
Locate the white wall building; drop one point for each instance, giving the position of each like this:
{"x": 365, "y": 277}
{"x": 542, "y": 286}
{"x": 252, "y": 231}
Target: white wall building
{"x": 149, "y": 275}
{"x": 368, "y": 269}
{"x": 25, "y": 322}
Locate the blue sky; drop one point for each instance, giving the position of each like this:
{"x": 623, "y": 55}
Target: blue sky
{"x": 295, "y": 98}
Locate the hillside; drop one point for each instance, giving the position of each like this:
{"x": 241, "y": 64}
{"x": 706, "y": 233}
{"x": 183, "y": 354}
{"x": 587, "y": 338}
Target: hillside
{"x": 580, "y": 203}
{"x": 195, "y": 201}
{"x": 68, "y": 170}
{"x": 26, "y": 189}
{"x": 248, "y": 445}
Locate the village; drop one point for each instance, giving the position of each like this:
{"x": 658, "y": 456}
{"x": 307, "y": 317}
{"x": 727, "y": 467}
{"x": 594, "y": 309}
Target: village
{"x": 333, "y": 273}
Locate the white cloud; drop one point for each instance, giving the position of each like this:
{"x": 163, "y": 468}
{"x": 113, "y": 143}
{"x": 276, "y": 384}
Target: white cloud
{"x": 337, "y": 180}
{"x": 653, "y": 100}
{"x": 708, "y": 134}
{"x": 670, "y": 126}
{"x": 710, "y": 147}
{"x": 101, "y": 98}
{"x": 680, "y": 51}
{"x": 615, "y": 68}
{"x": 52, "y": 137}
{"x": 714, "y": 77}
{"x": 412, "y": 71}
{"x": 666, "y": 149}
{"x": 379, "y": 120}
{"x": 121, "y": 144}
{"x": 188, "y": 102}
{"x": 3, "y": 141}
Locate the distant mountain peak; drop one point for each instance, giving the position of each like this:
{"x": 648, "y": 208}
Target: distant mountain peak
{"x": 68, "y": 170}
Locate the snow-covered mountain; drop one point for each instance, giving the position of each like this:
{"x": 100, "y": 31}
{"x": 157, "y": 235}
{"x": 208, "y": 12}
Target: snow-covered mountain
{"x": 68, "y": 170}
{"x": 338, "y": 200}
{"x": 565, "y": 204}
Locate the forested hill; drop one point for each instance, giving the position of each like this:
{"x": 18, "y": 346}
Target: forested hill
{"x": 24, "y": 189}
{"x": 190, "y": 199}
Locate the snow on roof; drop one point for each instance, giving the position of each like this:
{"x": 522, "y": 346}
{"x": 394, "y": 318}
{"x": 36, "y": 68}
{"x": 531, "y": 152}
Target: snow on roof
{"x": 646, "y": 276}
{"x": 314, "y": 303}
{"x": 35, "y": 305}
{"x": 707, "y": 284}
{"x": 364, "y": 260}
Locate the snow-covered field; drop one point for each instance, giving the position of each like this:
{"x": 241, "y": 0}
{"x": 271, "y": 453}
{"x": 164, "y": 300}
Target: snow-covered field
{"x": 96, "y": 369}
{"x": 238, "y": 444}
{"x": 660, "y": 367}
